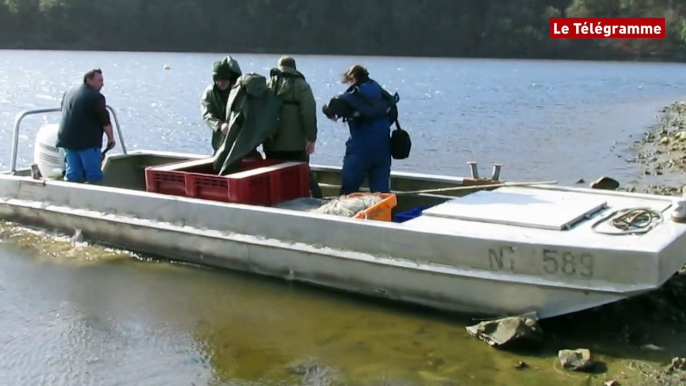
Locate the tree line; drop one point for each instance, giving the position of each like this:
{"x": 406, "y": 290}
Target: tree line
{"x": 448, "y": 28}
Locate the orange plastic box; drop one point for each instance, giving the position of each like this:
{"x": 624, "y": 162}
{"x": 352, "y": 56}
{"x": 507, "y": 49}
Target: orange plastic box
{"x": 381, "y": 211}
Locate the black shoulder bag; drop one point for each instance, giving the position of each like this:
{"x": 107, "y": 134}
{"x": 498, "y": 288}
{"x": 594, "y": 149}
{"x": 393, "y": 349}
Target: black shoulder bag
{"x": 401, "y": 144}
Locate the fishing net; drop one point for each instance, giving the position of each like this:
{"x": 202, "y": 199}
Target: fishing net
{"x": 348, "y": 206}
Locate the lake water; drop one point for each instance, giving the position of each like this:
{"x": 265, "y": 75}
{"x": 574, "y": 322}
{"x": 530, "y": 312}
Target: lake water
{"x": 94, "y": 316}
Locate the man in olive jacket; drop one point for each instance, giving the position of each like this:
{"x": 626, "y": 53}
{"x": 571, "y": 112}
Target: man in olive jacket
{"x": 216, "y": 95}
{"x": 297, "y": 133}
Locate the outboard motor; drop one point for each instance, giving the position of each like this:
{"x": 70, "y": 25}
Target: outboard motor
{"x": 48, "y": 157}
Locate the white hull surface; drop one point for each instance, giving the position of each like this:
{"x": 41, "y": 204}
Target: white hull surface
{"x": 498, "y": 253}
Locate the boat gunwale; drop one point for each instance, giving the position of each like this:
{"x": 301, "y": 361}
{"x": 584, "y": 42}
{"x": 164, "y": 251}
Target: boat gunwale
{"x": 314, "y": 167}
{"x": 287, "y": 212}
{"x": 396, "y": 230}
{"x": 242, "y": 207}
{"x": 394, "y": 173}
{"x": 651, "y": 248}
{"x": 647, "y": 252}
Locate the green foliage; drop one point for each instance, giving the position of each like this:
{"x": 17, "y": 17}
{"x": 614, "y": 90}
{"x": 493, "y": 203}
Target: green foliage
{"x": 465, "y": 28}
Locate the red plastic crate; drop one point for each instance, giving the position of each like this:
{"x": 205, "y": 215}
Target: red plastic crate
{"x": 289, "y": 180}
{"x": 172, "y": 183}
{"x": 247, "y": 187}
{"x": 260, "y": 182}
{"x": 205, "y": 165}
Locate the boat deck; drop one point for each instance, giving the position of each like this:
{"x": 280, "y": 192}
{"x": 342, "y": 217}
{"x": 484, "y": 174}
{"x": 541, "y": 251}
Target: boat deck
{"x": 548, "y": 214}
{"x": 128, "y": 172}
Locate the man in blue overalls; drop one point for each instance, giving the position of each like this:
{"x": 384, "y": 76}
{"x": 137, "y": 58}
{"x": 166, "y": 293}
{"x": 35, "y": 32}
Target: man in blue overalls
{"x": 368, "y": 150}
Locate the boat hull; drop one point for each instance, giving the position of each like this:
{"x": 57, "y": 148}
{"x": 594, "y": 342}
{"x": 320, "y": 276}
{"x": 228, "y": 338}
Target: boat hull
{"x": 421, "y": 284}
{"x": 481, "y": 265}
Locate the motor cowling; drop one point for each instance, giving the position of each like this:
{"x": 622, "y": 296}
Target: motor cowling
{"x": 48, "y": 157}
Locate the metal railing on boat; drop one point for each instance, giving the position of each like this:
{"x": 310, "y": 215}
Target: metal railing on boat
{"x": 24, "y": 114}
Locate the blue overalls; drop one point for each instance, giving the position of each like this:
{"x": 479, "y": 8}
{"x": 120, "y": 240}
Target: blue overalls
{"x": 368, "y": 150}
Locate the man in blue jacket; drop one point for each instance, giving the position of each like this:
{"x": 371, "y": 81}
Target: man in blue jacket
{"x": 367, "y": 109}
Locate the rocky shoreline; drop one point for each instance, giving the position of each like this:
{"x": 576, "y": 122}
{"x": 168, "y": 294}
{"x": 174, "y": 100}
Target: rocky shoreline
{"x": 662, "y": 152}
{"x": 654, "y": 323}
{"x": 660, "y": 315}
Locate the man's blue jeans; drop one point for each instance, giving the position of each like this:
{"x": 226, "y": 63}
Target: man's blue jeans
{"x": 83, "y": 165}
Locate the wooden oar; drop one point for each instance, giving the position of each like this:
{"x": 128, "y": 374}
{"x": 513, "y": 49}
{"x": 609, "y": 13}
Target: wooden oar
{"x": 472, "y": 187}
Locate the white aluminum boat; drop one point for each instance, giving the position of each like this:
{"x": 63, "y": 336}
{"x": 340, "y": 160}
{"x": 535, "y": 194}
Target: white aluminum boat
{"x": 539, "y": 250}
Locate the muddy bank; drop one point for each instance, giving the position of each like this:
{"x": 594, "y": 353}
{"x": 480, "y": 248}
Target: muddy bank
{"x": 636, "y": 341}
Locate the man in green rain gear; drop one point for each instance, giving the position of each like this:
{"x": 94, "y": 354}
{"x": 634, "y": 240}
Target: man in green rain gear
{"x": 253, "y": 115}
{"x": 225, "y": 73}
{"x": 294, "y": 141}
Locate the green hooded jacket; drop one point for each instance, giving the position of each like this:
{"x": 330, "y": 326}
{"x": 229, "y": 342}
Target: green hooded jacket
{"x": 213, "y": 101}
{"x": 253, "y": 116}
{"x": 298, "y": 113}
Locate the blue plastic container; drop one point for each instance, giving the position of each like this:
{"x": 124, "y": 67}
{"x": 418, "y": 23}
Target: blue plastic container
{"x": 410, "y": 214}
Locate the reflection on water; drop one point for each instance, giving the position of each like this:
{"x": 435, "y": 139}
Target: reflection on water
{"x": 113, "y": 319}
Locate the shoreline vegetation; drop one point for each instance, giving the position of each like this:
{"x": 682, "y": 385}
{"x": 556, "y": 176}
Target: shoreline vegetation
{"x": 457, "y": 29}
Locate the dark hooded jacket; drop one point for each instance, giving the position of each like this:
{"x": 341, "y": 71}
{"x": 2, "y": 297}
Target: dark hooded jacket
{"x": 253, "y": 114}
{"x": 213, "y": 102}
